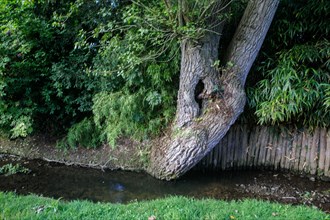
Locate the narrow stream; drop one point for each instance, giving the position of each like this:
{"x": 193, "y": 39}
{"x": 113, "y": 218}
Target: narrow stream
{"x": 71, "y": 182}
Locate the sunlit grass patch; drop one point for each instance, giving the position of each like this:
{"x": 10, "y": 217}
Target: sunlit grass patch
{"x": 13, "y": 206}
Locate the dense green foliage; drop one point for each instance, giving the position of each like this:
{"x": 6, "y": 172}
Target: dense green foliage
{"x": 98, "y": 70}
{"x": 295, "y": 67}
{"x": 43, "y": 80}
{"x": 61, "y": 61}
{"x": 144, "y": 61}
{"x": 33, "y": 207}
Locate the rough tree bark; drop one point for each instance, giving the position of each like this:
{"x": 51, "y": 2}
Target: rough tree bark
{"x": 198, "y": 128}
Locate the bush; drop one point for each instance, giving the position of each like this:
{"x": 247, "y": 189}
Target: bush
{"x": 44, "y": 79}
{"x": 292, "y": 73}
{"x": 84, "y": 134}
{"x": 142, "y": 64}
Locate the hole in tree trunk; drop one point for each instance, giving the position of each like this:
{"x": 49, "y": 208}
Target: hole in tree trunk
{"x": 198, "y": 91}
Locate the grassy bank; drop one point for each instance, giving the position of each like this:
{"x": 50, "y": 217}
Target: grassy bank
{"x": 33, "y": 207}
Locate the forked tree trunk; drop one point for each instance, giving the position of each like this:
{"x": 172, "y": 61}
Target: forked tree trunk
{"x": 198, "y": 128}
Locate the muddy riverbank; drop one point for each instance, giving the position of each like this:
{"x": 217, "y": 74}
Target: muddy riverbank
{"x": 126, "y": 155}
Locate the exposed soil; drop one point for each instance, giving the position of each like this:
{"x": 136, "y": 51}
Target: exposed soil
{"x": 290, "y": 189}
{"x": 127, "y": 155}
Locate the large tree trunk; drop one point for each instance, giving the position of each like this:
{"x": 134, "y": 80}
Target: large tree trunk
{"x": 198, "y": 128}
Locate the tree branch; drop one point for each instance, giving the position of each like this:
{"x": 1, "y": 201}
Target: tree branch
{"x": 249, "y": 36}
{"x": 180, "y": 13}
{"x": 168, "y": 6}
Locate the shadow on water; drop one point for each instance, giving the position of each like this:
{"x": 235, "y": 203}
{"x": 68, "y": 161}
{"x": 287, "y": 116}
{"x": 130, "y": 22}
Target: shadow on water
{"x": 70, "y": 182}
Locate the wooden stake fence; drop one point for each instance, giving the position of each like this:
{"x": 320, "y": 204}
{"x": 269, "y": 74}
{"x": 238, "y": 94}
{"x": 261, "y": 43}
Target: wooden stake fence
{"x": 275, "y": 148}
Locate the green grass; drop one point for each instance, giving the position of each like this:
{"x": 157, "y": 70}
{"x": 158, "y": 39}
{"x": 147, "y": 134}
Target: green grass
{"x": 13, "y": 206}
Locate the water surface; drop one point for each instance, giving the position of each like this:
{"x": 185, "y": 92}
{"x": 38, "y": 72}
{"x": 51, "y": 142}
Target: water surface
{"x": 71, "y": 182}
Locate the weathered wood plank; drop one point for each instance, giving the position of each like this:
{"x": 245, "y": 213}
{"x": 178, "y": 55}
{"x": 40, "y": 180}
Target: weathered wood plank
{"x": 232, "y": 150}
{"x": 238, "y": 146}
{"x": 304, "y": 146}
{"x": 276, "y": 139}
{"x": 298, "y": 150}
{"x": 308, "y": 152}
{"x": 235, "y": 150}
{"x": 254, "y": 146}
{"x": 266, "y": 148}
{"x": 269, "y": 147}
{"x": 263, "y": 145}
{"x": 220, "y": 156}
{"x": 327, "y": 157}
{"x": 234, "y": 145}
{"x": 227, "y": 157}
{"x": 257, "y": 148}
{"x": 209, "y": 159}
{"x": 323, "y": 147}
{"x": 293, "y": 155}
{"x": 313, "y": 159}
{"x": 250, "y": 147}
{"x": 283, "y": 148}
{"x": 289, "y": 149}
{"x": 278, "y": 155}
{"x": 215, "y": 157}
{"x": 224, "y": 152}
{"x": 245, "y": 146}
{"x": 239, "y": 139}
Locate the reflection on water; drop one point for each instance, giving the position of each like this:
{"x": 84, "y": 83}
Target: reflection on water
{"x": 59, "y": 181}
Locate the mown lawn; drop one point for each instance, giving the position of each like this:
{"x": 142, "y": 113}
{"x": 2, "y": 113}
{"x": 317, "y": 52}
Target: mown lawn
{"x": 13, "y": 206}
